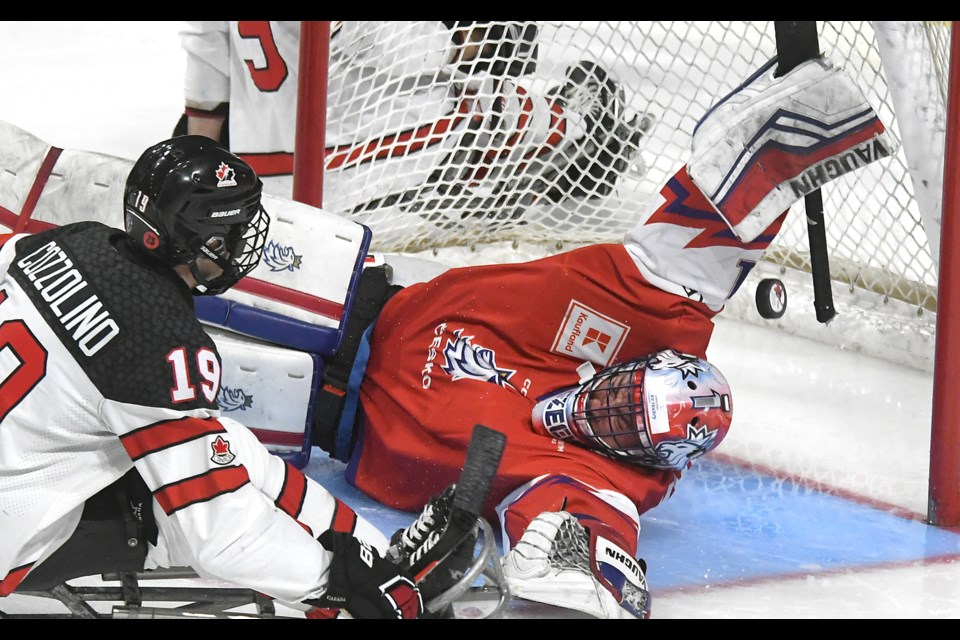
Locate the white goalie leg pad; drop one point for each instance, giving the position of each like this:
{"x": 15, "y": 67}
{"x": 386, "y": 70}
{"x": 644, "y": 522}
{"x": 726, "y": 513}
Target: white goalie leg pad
{"x": 553, "y": 563}
{"x": 301, "y": 293}
{"x": 270, "y": 390}
{"x": 774, "y": 140}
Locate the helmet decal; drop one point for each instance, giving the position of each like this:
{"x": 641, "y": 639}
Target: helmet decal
{"x": 679, "y": 453}
{"x": 226, "y": 177}
{"x": 176, "y": 210}
{"x": 685, "y": 363}
{"x": 151, "y": 240}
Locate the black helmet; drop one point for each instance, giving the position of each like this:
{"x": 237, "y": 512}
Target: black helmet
{"x": 188, "y": 198}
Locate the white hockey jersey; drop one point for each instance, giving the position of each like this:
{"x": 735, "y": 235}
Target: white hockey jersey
{"x": 105, "y": 368}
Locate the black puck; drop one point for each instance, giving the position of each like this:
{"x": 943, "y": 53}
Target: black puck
{"x": 771, "y": 298}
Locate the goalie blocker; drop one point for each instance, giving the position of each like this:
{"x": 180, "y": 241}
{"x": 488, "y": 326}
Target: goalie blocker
{"x": 773, "y": 140}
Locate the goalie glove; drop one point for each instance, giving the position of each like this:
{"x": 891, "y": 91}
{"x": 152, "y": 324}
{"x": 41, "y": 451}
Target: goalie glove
{"x": 365, "y": 584}
{"x": 560, "y": 562}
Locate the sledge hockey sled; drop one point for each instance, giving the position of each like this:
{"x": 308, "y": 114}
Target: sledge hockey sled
{"x": 181, "y": 594}
{"x": 111, "y": 541}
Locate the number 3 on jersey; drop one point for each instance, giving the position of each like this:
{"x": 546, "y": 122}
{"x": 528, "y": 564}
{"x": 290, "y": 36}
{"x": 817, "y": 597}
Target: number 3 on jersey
{"x": 207, "y": 365}
{"x": 273, "y": 71}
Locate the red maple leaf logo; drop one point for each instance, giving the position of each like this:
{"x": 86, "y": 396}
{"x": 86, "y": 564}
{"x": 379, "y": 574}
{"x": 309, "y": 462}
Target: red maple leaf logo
{"x": 220, "y": 447}
{"x": 221, "y": 451}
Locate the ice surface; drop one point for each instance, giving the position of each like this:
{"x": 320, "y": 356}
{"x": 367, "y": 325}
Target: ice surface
{"x": 814, "y": 505}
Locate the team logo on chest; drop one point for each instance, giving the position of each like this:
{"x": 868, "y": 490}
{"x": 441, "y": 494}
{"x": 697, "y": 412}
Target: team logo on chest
{"x": 587, "y": 334}
{"x": 221, "y": 451}
{"x": 463, "y": 359}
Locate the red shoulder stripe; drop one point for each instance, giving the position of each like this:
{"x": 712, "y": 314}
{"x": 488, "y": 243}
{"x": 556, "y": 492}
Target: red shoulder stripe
{"x": 4, "y": 237}
{"x": 169, "y": 433}
{"x": 344, "y": 518}
{"x": 12, "y": 579}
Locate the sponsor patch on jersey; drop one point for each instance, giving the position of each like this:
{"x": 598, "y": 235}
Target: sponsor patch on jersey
{"x": 587, "y": 334}
{"x": 221, "y": 451}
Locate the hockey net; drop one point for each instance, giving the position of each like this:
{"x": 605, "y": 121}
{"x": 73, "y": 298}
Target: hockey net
{"x": 883, "y": 222}
{"x": 882, "y": 234}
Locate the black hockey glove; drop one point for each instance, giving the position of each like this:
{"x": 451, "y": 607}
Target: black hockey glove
{"x": 365, "y": 584}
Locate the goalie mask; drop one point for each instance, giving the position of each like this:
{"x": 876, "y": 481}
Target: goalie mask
{"x": 663, "y": 411}
{"x": 190, "y": 201}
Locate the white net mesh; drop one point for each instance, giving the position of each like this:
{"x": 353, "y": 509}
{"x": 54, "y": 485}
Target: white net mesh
{"x": 673, "y": 70}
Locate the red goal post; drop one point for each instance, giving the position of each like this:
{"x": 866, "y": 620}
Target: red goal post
{"x": 944, "y": 504}
{"x": 896, "y": 297}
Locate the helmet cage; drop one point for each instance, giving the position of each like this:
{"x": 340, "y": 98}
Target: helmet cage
{"x": 236, "y": 250}
{"x": 613, "y": 398}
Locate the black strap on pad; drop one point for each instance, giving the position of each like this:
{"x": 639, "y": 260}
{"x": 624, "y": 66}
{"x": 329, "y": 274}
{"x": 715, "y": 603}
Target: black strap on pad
{"x": 373, "y": 292}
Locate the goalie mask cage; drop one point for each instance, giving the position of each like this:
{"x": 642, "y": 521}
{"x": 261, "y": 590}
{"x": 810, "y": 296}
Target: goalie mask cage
{"x": 883, "y": 222}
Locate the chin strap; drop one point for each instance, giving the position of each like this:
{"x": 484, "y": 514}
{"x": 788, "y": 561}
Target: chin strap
{"x": 202, "y": 286}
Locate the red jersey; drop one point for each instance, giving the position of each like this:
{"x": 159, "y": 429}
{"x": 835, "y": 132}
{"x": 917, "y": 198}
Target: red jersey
{"x": 465, "y": 348}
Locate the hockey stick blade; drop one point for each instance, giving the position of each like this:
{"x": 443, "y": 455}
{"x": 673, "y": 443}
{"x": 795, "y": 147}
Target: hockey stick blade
{"x": 480, "y": 467}
{"x": 473, "y": 487}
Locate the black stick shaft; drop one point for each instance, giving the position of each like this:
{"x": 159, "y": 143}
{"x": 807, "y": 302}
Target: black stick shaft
{"x": 796, "y": 43}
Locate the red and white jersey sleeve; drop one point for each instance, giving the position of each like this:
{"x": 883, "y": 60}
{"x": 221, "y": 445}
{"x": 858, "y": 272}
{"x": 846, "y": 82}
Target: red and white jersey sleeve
{"x": 207, "y": 73}
{"x": 685, "y": 246}
{"x": 228, "y": 508}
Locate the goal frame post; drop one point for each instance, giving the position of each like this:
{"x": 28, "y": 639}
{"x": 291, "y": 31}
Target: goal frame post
{"x": 944, "y": 485}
